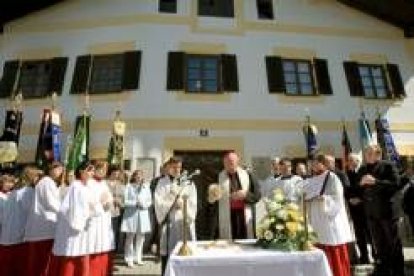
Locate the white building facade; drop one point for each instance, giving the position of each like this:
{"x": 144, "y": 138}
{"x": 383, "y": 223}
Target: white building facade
{"x": 194, "y": 75}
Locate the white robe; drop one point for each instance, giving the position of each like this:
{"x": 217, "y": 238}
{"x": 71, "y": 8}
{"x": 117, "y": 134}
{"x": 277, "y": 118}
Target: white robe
{"x": 73, "y": 229}
{"x": 137, "y": 200}
{"x": 41, "y": 221}
{"x": 101, "y": 237}
{"x": 328, "y": 217}
{"x": 164, "y": 196}
{"x": 224, "y": 204}
{"x": 14, "y": 218}
{"x": 291, "y": 187}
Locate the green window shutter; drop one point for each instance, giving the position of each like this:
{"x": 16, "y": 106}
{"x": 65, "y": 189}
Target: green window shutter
{"x": 396, "y": 82}
{"x": 353, "y": 79}
{"x": 57, "y": 74}
{"x": 9, "y": 77}
{"x": 275, "y": 77}
{"x": 229, "y": 75}
{"x": 175, "y": 71}
{"x": 132, "y": 70}
{"x": 322, "y": 76}
{"x": 81, "y": 74}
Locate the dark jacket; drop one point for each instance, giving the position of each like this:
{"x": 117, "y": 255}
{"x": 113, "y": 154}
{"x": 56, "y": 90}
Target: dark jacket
{"x": 378, "y": 197}
{"x": 344, "y": 180}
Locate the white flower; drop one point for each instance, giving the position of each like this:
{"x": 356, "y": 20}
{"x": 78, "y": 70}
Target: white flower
{"x": 279, "y": 227}
{"x": 278, "y": 195}
{"x": 282, "y": 214}
{"x": 268, "y": 235}
{"x": 274, "y": 206}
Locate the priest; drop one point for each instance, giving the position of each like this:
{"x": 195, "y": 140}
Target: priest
{"x": 168, "y": 203}
{"x": 240, "y": 191}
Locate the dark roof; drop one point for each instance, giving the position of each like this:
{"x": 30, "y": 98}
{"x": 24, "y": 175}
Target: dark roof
{"x": 397, "y": 12}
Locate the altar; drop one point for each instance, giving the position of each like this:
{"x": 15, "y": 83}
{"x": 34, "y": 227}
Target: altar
{"x": 241, "y": 258}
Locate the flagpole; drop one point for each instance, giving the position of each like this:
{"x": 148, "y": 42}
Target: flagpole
{"x": 344, "y": 161}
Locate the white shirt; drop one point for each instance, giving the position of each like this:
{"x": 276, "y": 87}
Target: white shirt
{"x": 41, "y": 221}
{"x": 73, "y": 221}
{"x": 328, "y": 217}
{"x": 14, "y": 217}
{"x": 101, "y": 234}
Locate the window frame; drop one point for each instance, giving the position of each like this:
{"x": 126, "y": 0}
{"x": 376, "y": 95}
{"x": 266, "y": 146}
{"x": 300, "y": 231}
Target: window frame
{"x": 297, "y": 77}
{"x": 272, "y": 11}
{"x": 372, "y": 78}
{"x": 45, "y": 62}
{"x": 93, "y": 68}
{"x": 167, "y": 11}
{"x": 218, "y": 74}
{"x": 216, "y": 10}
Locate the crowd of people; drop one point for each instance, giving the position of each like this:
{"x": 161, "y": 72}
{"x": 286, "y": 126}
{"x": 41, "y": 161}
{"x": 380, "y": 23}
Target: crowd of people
{"x": 58, "y": 224}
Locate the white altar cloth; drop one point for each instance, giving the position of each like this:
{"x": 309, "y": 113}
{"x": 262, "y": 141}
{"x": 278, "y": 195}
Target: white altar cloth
{"x": 240, "y": 259}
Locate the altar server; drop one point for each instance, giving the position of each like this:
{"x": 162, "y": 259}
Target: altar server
{"x": 41, "y": 221}
{"x": 101, "y": 235}
{"x": 290, "y": 184}
{"x": 168, "y": 201}
{"x": 136, "y": 220}
{"x": 328, "y": 217}
{"x": 15, "y": 211}
{"x": 240, "y": 191}
{"x": 71, "y": 247}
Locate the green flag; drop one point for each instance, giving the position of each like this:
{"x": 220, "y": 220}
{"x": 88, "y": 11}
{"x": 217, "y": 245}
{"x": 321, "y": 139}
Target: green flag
{"x": 79, "y": 151}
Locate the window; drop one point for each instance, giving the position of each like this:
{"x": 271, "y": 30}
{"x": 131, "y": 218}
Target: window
{"x": 373, "y": 81}
{"x": 202, "y": 73}
{"x": 265, "y": 9}
{"x": 107, "y": 72}
{"x": 298, "y": 77}
{"x": 219, "y": 8}
{"x": 34, "y": 79}
{"x": 168, "y": 6}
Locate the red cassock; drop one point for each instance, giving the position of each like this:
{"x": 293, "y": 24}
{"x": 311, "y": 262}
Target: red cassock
{"x": 12, "y": 257}
{"x": 100, "y": 264}
{"x": 338, "y": 259}
{"x": 69, "y": 266}
{"x": 39, "y": 257}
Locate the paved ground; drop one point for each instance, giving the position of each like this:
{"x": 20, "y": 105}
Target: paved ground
{"x": 151, "y": 268}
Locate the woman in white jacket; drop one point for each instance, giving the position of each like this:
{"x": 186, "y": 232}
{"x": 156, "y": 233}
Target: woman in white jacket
{"x": 136, "y": 221}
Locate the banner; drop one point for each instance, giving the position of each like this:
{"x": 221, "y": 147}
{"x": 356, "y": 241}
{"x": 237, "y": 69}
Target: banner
{"x": 11, "y": 136}
{"x": 386, "y": 141}
{"x": 116, "y": 143}
{"x": 365, "y": 135}
{"x": 48, "y": 144}
{"x": 310, "y": 131}
{"x": 79, "y": 151}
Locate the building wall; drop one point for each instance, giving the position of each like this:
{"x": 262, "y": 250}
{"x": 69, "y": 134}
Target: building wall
{"x": 262, "y": 124}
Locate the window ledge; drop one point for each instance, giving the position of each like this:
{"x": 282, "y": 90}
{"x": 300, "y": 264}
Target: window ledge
{"x": 294, "y": 99}
{"x": 105, "y": 97}
{"x": 203, "y": 97}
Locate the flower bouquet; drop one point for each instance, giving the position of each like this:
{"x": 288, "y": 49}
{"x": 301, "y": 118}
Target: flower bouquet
{"x": 284, "y": 227}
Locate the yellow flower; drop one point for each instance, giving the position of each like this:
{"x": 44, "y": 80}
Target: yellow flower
{"x": 292, "y": 227}
{"x": 292, "y": 206}
{"x": 294, "y": 215}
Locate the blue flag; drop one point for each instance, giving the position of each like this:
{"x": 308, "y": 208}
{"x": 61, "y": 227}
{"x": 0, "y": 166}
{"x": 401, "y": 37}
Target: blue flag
{"x": 310, "y": 130}
{"x": 365, "y": 135}
{"x": 386, "y": 141}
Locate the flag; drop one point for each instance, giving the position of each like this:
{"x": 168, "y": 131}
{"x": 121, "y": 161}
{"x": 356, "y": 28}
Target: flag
{"x": 48, "y": 144}
{"x": 10, "y": 138}
{"x": 116, "y": 143}
{"x": 346, "y": 147}
{"x": 310, "y": 131}
{"x": 365, "y": 135}
{"x": 385, "y": 140}
{"x": 79, "y": 151}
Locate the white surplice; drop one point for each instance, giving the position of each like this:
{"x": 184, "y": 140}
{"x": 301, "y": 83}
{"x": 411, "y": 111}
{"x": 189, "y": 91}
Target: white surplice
{"x": 328, "y": 216}
{"x": 73, "y": 229}
{"x": 224, "y": 204}
{"x": 100, "y": 227}
{"x": 14, "y": 218}
{"x": 41, "y": 220}
{"x": 164, "y": 196}
{"x": 137, "y": 200}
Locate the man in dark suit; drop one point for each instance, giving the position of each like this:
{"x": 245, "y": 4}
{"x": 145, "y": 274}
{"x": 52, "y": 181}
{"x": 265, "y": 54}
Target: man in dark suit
{"x": 357, "y": 209}
{"x": 380, "y": 181}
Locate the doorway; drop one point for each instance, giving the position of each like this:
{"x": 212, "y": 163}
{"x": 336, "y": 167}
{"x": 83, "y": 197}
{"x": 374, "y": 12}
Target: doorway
{"x": 210, "y": 164}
